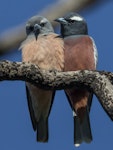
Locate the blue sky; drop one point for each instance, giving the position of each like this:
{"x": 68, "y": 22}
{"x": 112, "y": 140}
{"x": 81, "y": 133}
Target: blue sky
{"x": 15, "y": 126}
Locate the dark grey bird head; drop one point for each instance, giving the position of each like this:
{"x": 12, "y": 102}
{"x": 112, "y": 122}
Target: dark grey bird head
{"x": 72, "y": 24}
{"x": 38, "y": 25}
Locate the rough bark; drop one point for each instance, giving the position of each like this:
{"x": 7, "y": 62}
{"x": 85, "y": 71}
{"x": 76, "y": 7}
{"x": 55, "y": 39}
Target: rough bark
{"x": 100, "y": 82}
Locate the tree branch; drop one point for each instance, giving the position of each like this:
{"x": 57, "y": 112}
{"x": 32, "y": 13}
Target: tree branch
{"x": 99, "y": 82}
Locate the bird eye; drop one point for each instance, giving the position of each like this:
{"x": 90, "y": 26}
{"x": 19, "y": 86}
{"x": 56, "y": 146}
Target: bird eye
{"x": 28, "y": 27}
{"x": 42, "y": 24}
{"x": 31, "y": 28}
{"x": 71, "y": 21}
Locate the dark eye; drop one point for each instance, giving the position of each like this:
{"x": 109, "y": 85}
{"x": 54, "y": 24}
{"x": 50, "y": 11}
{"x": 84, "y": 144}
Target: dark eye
{"x": 31, "y": 28}
{"x": 42, "y": 24}
{"x": 71, "y": 21}
{"x": 28, "y": 27}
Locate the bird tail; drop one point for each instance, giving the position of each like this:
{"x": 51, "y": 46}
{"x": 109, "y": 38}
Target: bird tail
{"x": 42, "y": 130}
{"x": 82, "y": 130}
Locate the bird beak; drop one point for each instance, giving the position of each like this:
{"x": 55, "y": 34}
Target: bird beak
{"x": 61, "y": 20}
{"x": 37, "y": 28}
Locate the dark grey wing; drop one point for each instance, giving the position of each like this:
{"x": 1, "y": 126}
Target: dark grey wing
{"x": 53, "y": 96}
{"x": 42, "y": 125}
{"x": 90, "y": 101}
{"x": 69, "y": 100}
{"x": 31, "y": 111}
{"x": 82, "y": 130}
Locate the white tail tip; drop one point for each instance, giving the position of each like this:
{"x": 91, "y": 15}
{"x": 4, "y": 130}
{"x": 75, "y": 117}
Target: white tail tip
{"x": 77, "y": 145}
{"x": 74, "y": 114}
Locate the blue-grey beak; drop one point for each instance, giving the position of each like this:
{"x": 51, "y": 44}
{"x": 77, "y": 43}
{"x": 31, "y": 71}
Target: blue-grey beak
{"x": 37, "y": 28}
{"x": 61, "y": 20}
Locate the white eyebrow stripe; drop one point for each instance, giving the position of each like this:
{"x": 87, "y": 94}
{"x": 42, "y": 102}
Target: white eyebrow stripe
{"x": 43, "y": 20}
{"x": 77, "y": 18}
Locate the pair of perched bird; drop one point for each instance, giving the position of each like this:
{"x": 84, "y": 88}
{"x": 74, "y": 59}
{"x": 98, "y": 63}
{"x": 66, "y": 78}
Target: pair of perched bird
{"x": 72, "y": 50}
